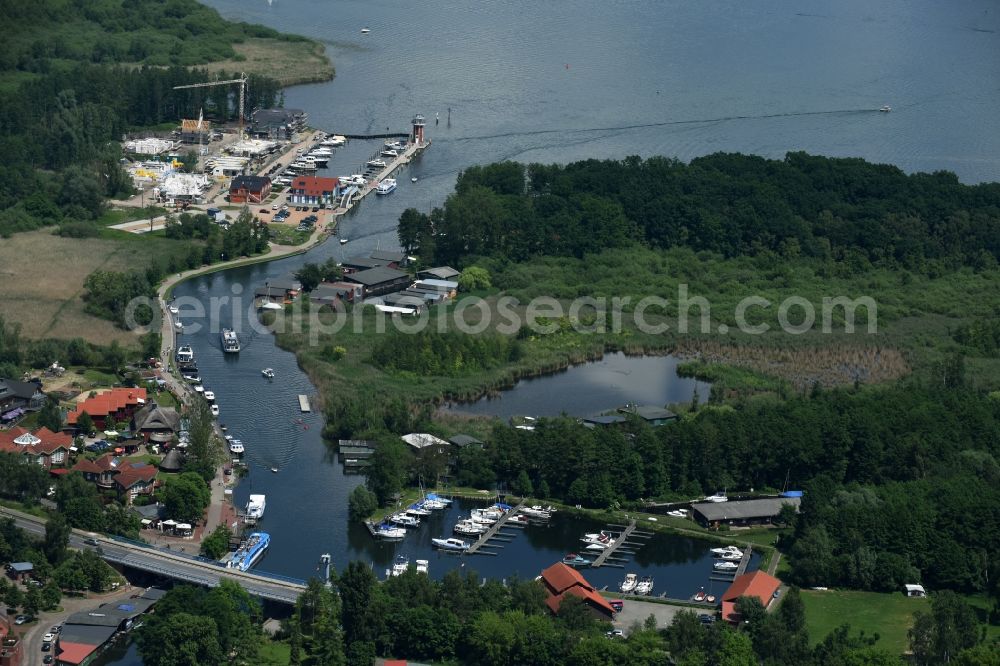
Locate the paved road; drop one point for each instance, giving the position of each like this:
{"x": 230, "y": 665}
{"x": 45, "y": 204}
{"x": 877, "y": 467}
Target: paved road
{"x": 166, "y": 563}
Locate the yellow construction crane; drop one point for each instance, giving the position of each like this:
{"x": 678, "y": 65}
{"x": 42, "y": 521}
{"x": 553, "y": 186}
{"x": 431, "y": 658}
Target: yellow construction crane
{"x": 243, "y": 91}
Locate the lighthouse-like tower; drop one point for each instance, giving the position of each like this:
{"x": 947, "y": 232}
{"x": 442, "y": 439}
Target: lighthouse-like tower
{"x": 417, "y": 136}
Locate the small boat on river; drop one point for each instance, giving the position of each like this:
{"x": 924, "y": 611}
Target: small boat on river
{"x": 451, "y": 543}
{"x": 576, "y": 561}
{"x": 268, "y": 373}
{"x": 644, "y": 586}
{"x": 628, "y": 585}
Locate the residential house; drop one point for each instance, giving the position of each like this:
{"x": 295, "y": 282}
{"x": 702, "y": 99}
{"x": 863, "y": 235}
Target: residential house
{"x": 424, "y": 440}
{"x": 756, "y": 584}
{"x": 196, "y": 130}
{"x": 249, "y": 189}
{"x": 379, "y": 281}
{"x": 127, "y": 479}
{"x": 560, "y": 580}
{"x": 313, "y": 190}
{"x": 20, "y": 571}
{"x": 43, "y": 447}
{"x": 462, "y": 441}
{"x": 742, "y": 512}
{"x": 155, "y": 424}
{"x": 108, "y": 408}
{"x": 16, "y": 398}
{"x": 333, "y": 293}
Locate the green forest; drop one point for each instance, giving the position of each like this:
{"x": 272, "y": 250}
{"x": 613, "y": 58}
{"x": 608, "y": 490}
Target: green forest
{"x": 449, "y": 354}
{"x": 459, "y": 620}
{"x": 732, "y": 204}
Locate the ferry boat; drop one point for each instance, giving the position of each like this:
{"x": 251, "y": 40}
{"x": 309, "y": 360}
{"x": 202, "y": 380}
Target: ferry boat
{"x": 230, "y": 342}
{"x": 387, "y": 186}
{"x": 256, "y": 506}
{"x": 628, "y": 585}
{"x": 450, "y": 544}
{"x": 250, "y": 551}
{"x": 184, "y": 354}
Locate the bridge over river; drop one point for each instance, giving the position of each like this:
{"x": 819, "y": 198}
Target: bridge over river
{"x": 168, "y": 563}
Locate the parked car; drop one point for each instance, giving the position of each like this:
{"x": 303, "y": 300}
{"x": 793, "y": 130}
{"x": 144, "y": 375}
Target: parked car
{"x": 265, "y": 211}
{"x": 90, "y": 542}
{"x": 615, "y": 633}
{"x": 315, "y": 209}
{"x": 46, "y": 646}
{"x": 20, "y": 619}
{"x": 274, "y": 206}
{"x": 47, "y": 659}
{"x": 49, "y": 637}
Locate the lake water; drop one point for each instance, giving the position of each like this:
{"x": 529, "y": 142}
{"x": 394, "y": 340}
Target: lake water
{"x": 576, "y": 79}
{"x": 592, "y": 388}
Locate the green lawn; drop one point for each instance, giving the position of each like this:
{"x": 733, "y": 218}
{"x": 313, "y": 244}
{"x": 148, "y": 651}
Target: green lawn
{"x": 274, "y": 652}
{"x": 889, "y": 615}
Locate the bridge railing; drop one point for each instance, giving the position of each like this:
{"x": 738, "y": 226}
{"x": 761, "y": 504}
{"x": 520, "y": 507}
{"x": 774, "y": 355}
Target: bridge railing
{"x": 287, "y": 579}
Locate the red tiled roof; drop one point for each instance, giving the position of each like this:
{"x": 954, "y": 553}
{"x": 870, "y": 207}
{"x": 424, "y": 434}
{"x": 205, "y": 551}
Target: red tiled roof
{"x": 757, "y": 584}
{"x": 87, "y": 467}
{"x": 107, "y": 403}
{"x": 559, "y": 577}
{"x": 314, "y": 186}
{"x": 50, "y": 441}
{"x": 74, "y": 653}
{"x": 130, "y": 474}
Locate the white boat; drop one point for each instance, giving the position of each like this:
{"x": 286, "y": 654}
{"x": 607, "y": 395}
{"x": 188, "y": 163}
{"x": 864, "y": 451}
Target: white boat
{"x": 596, "y": 546}
{"x": 333, "y": 142}
{"x": 387, "y": 186}
{"x": 423, "y": 566}
{"x": 268, "y": 372}
{"x": 255, "y": 507}
{"x": 236, "y": 447}
{"x": 628, "y": 585}
{"x": 199, "y": 389}
{"x": 434, "y": 505}
{"x": 343, "y": 241}
{"x": 731, "y": 557}
{"x": 214, "y": 409}
{"x": 717, "y": 497}
{"x": 387, "y": 532}
{"x": 365, "y": 31}
{"x": 886, "y": 109}
{"x": 389, "y": 152}
{"x": 725, "y": 550}
{"x": 536, "y": 512}
{"x": 356, "y": 179}
{"x": 644, "y": 586}
{"x": 450, "y": 543}
{"x": 210, "y": 396}
{"x": 376, "y": 164}
{"x": 399, "y": 567}
{"x": 230, "y": 342}
{"x": 727, "y": 566}
{"x": 404, "y": 520}
{"x": 468, "y": 528}
{"x": 398, "y": 146}
{"x": 413, "y": 180}
{"x": 184, "y": 354}
{"x": 178, "y": 325}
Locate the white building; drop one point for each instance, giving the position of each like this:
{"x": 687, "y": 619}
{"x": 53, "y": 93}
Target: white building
{"x": 149, "y": 146}
{"x": 183, "y": 187}
{"x": 252, "y": 147}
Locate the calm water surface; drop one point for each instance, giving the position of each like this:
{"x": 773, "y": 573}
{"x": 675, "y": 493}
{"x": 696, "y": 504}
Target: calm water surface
{"x": 568, "y": 80}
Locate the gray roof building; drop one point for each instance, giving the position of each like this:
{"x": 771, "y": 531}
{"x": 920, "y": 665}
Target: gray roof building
{"x": 362, "y": 263}
{"x": 650, "y": 413}
{"x": 742, "y": 511}
{"x": 150, "y": 511}
{"x": 462, "y": 441}
{"x": 438, "y": 273}
{"x": 380, "y": 280}
{"x": 603, "y": 420}
{"x": 388, "y": 257}
{"x": 86, "y": 634}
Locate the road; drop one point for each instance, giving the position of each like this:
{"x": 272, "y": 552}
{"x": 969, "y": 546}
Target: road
{"x": 164, "y": 562}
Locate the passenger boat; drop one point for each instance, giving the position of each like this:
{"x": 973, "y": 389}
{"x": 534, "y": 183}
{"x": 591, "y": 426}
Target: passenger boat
{"x": 644, "y": 586}
{"x": 628, "y": 585}
{"x": 399, "y": 567}
{"x": 268, "y": 372}
{"x": 184, "y": 354}
{"x": 450, "y": 543}
{"x": 387, "y": 532}
{"x": 576, "y": 561}
{"x": 230, "y": 342}
{"x": 404, "y": 520}
{"x": 214, "y": 409}
{"x": 255, "y": 506}
{"x": 387, "y": 186}
{"x": 376, "y": 164}
{"x": 423, "y": 566}
{"x": 250, "y": 551}
{"x": 727, "y": 550}
{"x": 726, "y": 566}
{"x": 236, "y": 447}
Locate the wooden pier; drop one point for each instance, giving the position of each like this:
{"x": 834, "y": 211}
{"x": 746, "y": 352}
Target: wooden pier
{"x": 491, "y": 534}
{"x": 605, "y": 559}
{"x": 745, "y": 562}
{"x": 730, "y": 576}
{"x": 304, "y": 403}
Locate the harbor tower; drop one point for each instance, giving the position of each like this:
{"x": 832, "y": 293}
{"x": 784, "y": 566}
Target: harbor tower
{"x": 417, "y": 136}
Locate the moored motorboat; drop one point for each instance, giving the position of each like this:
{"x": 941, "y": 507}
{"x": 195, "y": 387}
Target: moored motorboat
{"x": 700, "y": 596}
{"x": 387, "y": 186}
{"x": 423, "y": 566}
{"x": 726, "y": 566}
{"x": 574, "y": 560}
{"x": 717, "y": 497}
{"x": 388, "y": 532}
{"x": 236, "y": 447}
{"x": 376, "y": 164}
{"x": 214, "y": 408}
{"x": 404, "y": 520}
{"x": 210, "y": 396}
{"x": 450, "y": 543}
{"x": 268, "y": 372}
{"x": 644, "y": 586}
{"x": 399, "y": 566}
{"x": 726, "y": 550}
{"x": 256, "y": 506}
{"x": 628, "y": 585}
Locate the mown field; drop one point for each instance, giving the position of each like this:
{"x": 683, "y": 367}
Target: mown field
{"x": 287, "y": 62}
{"x": 888, "y": 615}
{"x": 44, "y": 275}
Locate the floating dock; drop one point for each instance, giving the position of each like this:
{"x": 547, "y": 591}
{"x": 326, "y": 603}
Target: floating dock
{"x": 630, "y": 532}
{"x": 304, "y": 403}
{"x": 491, "y": 534}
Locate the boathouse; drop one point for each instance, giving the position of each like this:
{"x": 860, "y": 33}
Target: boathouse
{"x": 438, "y": 273}
{"x": 379, "y": 281}
{"x": 560, "y": 580}
{"x": 85, "y": 632}
{"x": 360, "y": 263}
{"x": 756, "y": 584}
{"x": 249, "y": 189}
{"x": 744, "y": 512}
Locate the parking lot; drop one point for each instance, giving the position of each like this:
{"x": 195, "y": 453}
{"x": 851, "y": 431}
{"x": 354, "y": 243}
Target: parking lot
{"x": 636, "y": 610}
{"x": 294, "y": 216}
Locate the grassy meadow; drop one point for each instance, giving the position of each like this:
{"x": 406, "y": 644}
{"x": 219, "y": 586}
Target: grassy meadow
{"x": 888, "y": 615}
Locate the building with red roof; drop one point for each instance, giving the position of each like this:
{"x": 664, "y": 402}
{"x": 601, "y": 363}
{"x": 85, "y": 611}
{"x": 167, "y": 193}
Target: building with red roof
{"x": 756, "y": 584}
{"x": 127, "y": 478}
{"x": 561, "y": 580}
{"x": 249, "y": 189}
{"x": 313, "y": 190}
{"x": 108, "y": 408}
{"x": 43, "y": 447}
